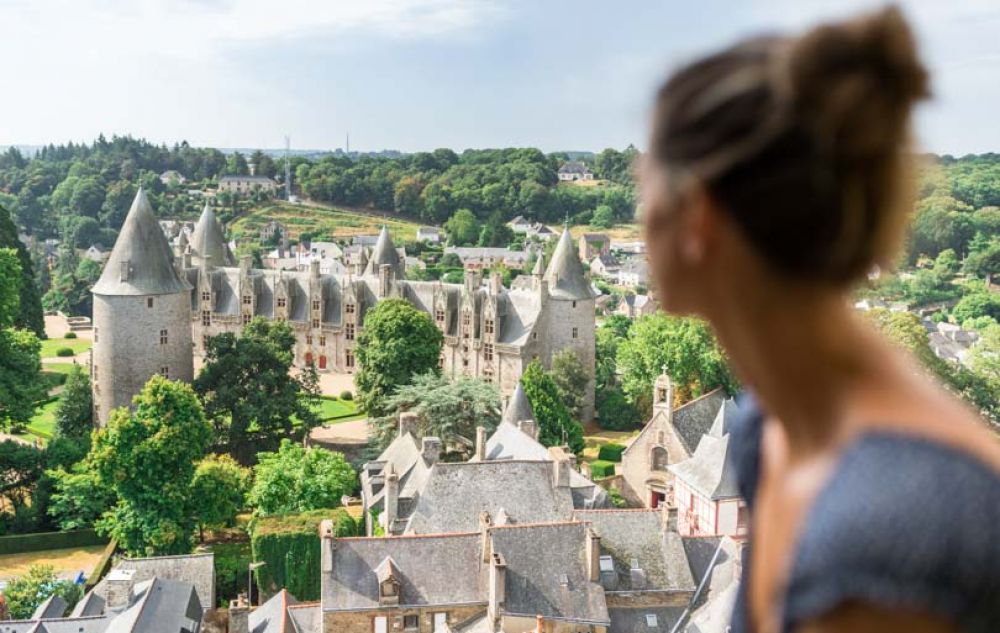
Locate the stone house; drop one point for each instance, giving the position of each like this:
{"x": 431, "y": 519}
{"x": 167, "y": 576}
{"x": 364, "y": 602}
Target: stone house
{"x": 429, "y": 234}
{"x": 151, "y": 304}
{"x": 520, "y": 224}
{"x": 634, "y": 306}
{"x": 246, "y": 184}
{"x": 634, "y": 272}
{"x": 605, "y": 266}
{"x": 669, "y": 437}
{"x": 574, "y": 170}
{"x": 172, "y": 176}
{"x": 479, "y": 257}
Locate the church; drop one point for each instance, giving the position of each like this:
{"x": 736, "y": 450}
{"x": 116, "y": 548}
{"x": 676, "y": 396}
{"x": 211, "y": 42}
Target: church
{"x": 157, "y": 304}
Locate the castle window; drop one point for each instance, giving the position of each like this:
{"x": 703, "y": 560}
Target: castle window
{"x": 246, "y": 319}
{"x": 574, "y": 304}
{"x": 282, "y": 302}
{"x": 95, "y": 334}
{"x": 348, "y": 308}
{"x": 309, "y": 339}
{"x": 411, "y": 622}
{"x": 466, "y": 324}
{"x": 576, "y": 332}
{"x": 488, "y": 375}
{"x": 204, "y": 341}
{"x": 247, "y": 300}
{"x": 206, "y": 317}
{"x": 165, "y": 372}
{"x": 322, "y": 341}
{"x": 97, "y": 411}
{"x": 658, "y": 458}
{"x": 315, "y": 304}
{"x": 534, "y": 336}
{"x": 488, "y": 326}
{"x": 349, "y": 331}
{"x": 315, "y": 322}
{"x": 149, "y": 302}
{"x": 488, "y": 351}
{"x": 349, "y": 358}
{"x": 163, "y": 337}
{"x": 206, "y": 295}
{"x": 441, "y": 361}
{"x": 95, "y": 373}
{"x": 439, "y": 316}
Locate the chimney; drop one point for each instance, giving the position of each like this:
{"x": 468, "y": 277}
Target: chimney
{"x": 314, "y": 268}
{"x": 391, "y": 498}
{"x": 239, "y": 614}
{"x": 408, "y": 423}
{"x": 485, "y": 523}
{"x": 668, "y": 517}
{"x": 561, "y": 472}
{"x": 480, "y": 443}
{"x": 119, "y": 588}
{"x": 498, "y": 588}
{"x": 430, "y": 449}
{"x": 593, "y": 555}
{"x": 529, "y": 427}
{"x": 246, "y": 263}
{"x": 328, "y": 545}
{"x": 496, "y": 283}
{"x": 539, "y": 624}
{"x": 637, "y": 576}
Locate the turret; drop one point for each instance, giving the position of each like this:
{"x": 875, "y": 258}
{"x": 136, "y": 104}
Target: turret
{"x": 142, "y": 314}
{"x": 208, "y": 240}
{"x": 384, "y": 254}
{"x": 519, "y": 412}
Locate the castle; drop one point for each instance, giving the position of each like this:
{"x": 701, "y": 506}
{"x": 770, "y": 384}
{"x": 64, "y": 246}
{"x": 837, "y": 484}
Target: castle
{"x": 156, "y": 305}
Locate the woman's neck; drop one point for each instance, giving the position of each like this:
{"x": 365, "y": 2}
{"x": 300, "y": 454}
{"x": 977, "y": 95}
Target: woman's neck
{"x": 801, "y": 350}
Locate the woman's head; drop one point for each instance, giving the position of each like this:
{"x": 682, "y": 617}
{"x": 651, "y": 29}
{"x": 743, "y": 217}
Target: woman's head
{"x": 790, "y": 152}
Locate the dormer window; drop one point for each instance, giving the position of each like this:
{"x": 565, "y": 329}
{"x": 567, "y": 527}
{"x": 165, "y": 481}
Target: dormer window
{"x": 247, "y": 300}
{"x": 607, "y": 563}
{"x": 388, "y": 582}
{"x": 282, "y": 302}
{"x": 488, "y": 326}
{"x": 439, "y": 316}
{"x": 206, "y": 295}
{"x": 651, "y": 620}
{"x": 123, "y": 270}
{"x": 315, "y": 304}
{"x": 348, "y": 308}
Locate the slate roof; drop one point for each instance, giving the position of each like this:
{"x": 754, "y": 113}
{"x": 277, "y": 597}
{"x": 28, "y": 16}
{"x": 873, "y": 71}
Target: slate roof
{"x": 273, "y": 615}
{"x": 404, "y": 453}
{"x": 384, "y": 253}
{"x": 637, "y": 536}
{"x": 455, "y": 494}
{"x": 638, "y": 620}
{"x": 89, "y": 604}
{"x": 433, "y": 569}
{"x": 306, "y": 618}
{"x": 52, "y": 607}
{"x": 209, "y": 241}
{"x": 196, "y": 569}
{"x": 547, "y": 572}
{"x": 565, "y": 272}
{"x": 709, "y": 470}
{"x": 142, "y": 248}
{"x": 239, "y": 178}
{"x": 518, "y": 408}
{"x": 690, "y": 421}
{"x": 573, "y": 167}
{"x": 714, "y": 605}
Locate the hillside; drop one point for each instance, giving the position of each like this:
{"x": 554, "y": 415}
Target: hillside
{"x": 322, "y": 221}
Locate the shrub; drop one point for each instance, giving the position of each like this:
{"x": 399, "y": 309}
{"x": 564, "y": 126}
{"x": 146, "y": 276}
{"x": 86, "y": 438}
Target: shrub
{"x": 617, "y": 500}
{"x": 290, "y": 546}
{"x": 70, "y": 335}
{"x": 599, "y": 469}
{"x": 26, "y": 592}
{"x": 611, "y": 452}
{"x": 64, "y": 352}
{"x": 346, "y": 395}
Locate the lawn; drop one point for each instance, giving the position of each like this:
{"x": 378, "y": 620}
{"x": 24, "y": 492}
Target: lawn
{"x": 324, "y": 222}
{"x": 619, "y": 232}
{"x": 50, "y": 346}
{"x": 59, "y": 368}
{"x": 67, "y": 562}
{"x": 330, "y": 408}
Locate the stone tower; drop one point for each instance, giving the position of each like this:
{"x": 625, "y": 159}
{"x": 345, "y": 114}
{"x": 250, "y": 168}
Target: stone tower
{"x": 142, "y": 314}
{"x": 570, "y": 310}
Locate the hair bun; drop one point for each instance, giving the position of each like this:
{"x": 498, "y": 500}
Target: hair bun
{"x": 853, "y": 83}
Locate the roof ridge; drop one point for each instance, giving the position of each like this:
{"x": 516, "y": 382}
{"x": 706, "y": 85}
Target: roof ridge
{"x": 607, "y": 510}
{"x": 536, "y": 525}
{"x": 701, "y": 397}
{"x": 389, "y": 537}
{"x": 168, "y": 556}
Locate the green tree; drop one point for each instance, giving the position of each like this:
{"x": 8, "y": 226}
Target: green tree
{"x": 296, "y": 479}
{"x": 571, "y": 380}
{"x": 25, "y": 593}
{"x": 218, "y": 490}
{"x": 397, "y": 343}
{"x": 74, "y": 415}
{"x": 556, "y": 426}
{"x": 614, "y": 410}
{"x": 148, "y": 458}
{"x": 21, "y": 386}
{"x": 448, "y": 409}
{"x": 495, "y": 231}
{"x": 979, "y": 303}
{"x": 79, "y": 497}
{"x": 29, "y": 315}
{"x": 686, "y": 347}
{"x": 462, "y": 228}
{"x": 246, "y": 387}
{"x": 983, "y": 259}
{"x": 604, "y": 217}
{"x": 941, "y": 222}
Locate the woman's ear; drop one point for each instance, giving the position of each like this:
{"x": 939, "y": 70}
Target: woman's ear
{"x": 700, "y": 225}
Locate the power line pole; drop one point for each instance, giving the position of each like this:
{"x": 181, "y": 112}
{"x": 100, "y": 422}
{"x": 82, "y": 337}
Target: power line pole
{"x": 288, "y": 168}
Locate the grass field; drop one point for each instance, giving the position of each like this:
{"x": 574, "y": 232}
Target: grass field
{"x": 619, "y": 232}
{"x": 66, "y": 562}
{"x": 59, "y": 368}
{"x": 335, "y": 408}
{"x": 43, "y": 424}
{"x": 49, "y": 346}
{"x": 325, "y": 222}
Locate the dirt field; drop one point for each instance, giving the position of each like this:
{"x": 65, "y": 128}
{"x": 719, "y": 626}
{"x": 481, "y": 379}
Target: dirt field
{"x": 67, "y": 562}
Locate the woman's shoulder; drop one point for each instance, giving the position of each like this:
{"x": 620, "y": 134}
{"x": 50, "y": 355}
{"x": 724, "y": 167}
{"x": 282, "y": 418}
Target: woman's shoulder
{"x": 903, "y": 522}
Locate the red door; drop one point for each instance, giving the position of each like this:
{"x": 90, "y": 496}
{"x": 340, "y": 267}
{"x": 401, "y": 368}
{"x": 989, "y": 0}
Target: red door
{"x": 322, "y": 362}
{"x": 309, "y": 358}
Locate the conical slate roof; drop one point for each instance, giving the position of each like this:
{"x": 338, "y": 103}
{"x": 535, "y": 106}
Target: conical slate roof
{"x": 207, "y": 240}
{"x": 565, "y": 272}
{"x": 539, "y": 269}
{"x": 141, "y": 262}
{"x": 384, "y": 253}
{"x": 518, "y": 408}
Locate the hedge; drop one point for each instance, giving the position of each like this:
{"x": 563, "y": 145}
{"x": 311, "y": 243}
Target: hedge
{"x": 611, "y": 452}
{"x": 599, "y": 469}
{"x": 38, "y": 541}
{"x": 289, "y": 545}
{"x": 64, "y": 352}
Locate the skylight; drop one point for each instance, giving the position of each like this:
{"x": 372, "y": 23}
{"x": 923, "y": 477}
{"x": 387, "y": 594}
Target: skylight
{"x": 651, "y": 619}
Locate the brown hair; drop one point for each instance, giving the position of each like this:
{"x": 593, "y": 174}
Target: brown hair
{"x": 803, "y": 140}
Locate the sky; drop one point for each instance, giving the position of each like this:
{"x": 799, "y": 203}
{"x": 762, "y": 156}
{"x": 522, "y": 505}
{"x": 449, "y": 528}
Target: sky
{"x": 415, "y": 75}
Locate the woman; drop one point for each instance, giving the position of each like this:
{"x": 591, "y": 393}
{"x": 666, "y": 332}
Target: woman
{"x": 778, "y": 176}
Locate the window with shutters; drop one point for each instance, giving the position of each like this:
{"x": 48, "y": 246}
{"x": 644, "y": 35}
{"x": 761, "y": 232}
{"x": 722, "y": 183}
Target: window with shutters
{"x": 322, "y": 341}
{"x": 309, "y": 339}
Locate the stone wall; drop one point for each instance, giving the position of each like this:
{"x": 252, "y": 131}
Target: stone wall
{"x": 363, "y": 621}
